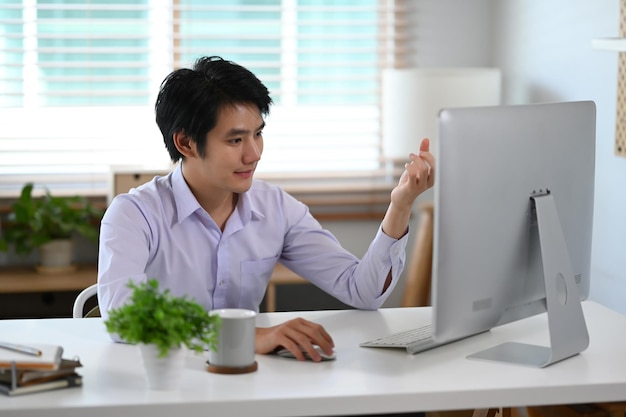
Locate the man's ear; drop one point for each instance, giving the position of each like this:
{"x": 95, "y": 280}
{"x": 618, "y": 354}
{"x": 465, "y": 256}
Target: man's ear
{"x": 185, "y": 145}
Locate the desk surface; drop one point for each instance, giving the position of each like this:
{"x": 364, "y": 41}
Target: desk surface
{"x": 360, "y": 381}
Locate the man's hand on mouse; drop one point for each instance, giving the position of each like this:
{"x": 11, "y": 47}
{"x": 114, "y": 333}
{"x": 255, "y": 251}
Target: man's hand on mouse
{"x": 296, "y": 335}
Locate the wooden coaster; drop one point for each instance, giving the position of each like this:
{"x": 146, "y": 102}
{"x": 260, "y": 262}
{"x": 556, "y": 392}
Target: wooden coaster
{"x": 231, "y": 369}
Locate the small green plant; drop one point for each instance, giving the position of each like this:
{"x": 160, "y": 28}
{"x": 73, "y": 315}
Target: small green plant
{"x": 161, "y": 319}
{"x": 33, "y": 222}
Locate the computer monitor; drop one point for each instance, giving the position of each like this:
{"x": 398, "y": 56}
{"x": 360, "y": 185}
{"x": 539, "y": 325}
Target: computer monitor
{"x": 513, "y": 224}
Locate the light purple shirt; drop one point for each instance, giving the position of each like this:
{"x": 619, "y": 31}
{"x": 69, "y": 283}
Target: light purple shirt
{"x": 159, "y": 230}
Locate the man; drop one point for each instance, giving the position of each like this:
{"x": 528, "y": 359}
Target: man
{"x": 208, "y": 230}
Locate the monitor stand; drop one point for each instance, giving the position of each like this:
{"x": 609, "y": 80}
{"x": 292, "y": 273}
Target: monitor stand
{"x": 566, "y": 322}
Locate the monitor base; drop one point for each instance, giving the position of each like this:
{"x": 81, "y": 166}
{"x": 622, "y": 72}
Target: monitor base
{"x": 566, "y": 322}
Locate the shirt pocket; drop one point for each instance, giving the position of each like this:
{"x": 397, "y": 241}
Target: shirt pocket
{"x": 255, "y": 275}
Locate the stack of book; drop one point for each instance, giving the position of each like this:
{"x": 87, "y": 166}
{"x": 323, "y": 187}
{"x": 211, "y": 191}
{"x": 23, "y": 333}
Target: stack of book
{"x": 35, "y": 368}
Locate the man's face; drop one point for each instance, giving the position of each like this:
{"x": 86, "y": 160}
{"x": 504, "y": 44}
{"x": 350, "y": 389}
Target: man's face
{"x": 233, "y": 148}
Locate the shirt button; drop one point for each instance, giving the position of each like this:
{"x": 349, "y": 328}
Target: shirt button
{"x": 221, "y": 283}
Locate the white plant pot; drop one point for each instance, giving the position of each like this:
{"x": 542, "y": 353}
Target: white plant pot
{"x": 57, "y": 253}
{"x": 162, "y": 373}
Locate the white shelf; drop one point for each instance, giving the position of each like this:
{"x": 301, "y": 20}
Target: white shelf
{"x": 609, "y": 44}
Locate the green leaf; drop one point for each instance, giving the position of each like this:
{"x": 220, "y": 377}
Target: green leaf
{"x": 157, "y": 317}
{"x": 34, "y": 222}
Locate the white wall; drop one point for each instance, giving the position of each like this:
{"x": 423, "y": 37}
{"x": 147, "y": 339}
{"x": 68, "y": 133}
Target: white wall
{"x": 451, "y": 33}
{"x": 446, "y": 33}
{"x": 544, "y": 49}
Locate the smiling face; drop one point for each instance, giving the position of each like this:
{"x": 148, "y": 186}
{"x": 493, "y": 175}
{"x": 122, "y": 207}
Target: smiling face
{"x": 233, "y": 149}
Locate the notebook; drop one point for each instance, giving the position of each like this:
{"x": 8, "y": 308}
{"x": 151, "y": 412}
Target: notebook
{"x": 72, "y": 380}
{"x": 37, "y": 376}
{"x": 50, "y": 357}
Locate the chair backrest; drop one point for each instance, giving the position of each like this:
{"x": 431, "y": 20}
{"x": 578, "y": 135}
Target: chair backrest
{"x": 81, "y": 299}
{"x": 419, "y": 272}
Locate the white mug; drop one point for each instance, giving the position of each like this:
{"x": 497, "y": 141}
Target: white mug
{"x": 235, "y": 345}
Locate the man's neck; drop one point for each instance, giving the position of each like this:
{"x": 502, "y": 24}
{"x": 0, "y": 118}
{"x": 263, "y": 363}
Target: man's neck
{"x": 220, "y": 214}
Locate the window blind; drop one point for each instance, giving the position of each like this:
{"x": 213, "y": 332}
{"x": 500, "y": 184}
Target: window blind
{"x": 78, "y": 80}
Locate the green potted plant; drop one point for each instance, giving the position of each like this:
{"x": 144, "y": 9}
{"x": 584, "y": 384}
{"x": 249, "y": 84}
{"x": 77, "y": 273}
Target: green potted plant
{"x": 161, "y": 324}
{"x": 47, "y": 224}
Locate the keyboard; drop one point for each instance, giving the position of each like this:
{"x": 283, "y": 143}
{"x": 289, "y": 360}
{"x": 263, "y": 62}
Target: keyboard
{"x": 413, "y": 340}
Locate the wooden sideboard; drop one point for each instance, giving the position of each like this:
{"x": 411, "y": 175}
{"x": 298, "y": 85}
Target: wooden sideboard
{"x": 26, "y": 293}
{"x": 27, "y": 280}
{"x": 23, "y": 281}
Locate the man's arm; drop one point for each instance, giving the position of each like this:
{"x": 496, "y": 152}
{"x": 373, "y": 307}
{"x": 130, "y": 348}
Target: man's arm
{"x": 122, "y": 254}
{"x": 418, "y": 176}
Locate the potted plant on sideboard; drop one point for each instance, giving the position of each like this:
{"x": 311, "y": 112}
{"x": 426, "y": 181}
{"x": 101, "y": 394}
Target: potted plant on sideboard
{"x": 161, "y": 325}
{"x": 47, "y": 224}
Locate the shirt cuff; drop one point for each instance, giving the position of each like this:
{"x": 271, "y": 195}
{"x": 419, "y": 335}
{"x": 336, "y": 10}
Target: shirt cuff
{"x": 391, "y": 253}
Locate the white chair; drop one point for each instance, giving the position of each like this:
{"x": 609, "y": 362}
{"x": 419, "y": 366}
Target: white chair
{"x": 81, "y": 299}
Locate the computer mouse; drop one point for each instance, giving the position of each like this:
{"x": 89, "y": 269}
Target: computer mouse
{"x": 325, "y": 357}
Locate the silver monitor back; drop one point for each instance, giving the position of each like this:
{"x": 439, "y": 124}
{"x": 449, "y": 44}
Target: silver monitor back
{"x": 487, "y": 259}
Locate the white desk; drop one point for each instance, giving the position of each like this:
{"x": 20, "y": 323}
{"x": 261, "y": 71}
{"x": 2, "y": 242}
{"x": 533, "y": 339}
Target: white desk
{"x": 360, "y": 381}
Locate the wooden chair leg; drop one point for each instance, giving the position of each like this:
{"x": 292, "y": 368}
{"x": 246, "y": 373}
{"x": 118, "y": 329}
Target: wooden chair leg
{"x": 270, "y": 298}
{"x": 419, "y": 268}
{"x": 492, "y": 412}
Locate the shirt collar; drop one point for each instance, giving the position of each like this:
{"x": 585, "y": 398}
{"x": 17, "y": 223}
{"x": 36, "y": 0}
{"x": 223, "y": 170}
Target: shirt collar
{"x": 247, "y": 209}
{"x": 185, "y": 201}
{"x": 187, "y": 204}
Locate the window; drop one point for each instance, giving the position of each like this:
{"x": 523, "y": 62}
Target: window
{"x": 78, "y": 79}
